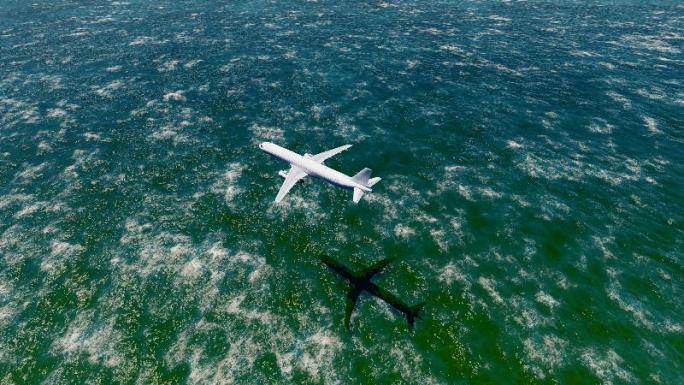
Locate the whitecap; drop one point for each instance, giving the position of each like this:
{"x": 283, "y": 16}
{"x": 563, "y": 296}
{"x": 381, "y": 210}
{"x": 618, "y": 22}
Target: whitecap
{"x": 606, "y": 366}
{"x": 651, "y": 125}
{"x": 175, "y": 96}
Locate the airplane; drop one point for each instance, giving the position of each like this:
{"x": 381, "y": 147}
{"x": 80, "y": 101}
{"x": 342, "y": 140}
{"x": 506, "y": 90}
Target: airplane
{"x": 308, "y": 164}
{"x": 361, "y": 281}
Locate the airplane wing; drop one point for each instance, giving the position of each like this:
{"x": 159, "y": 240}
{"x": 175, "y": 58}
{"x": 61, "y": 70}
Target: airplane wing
{"x": 352, "y": 298}
{"x": 375, "y": 269}
{"x": 292, "y": 178}
{"x": 320, "y": 158}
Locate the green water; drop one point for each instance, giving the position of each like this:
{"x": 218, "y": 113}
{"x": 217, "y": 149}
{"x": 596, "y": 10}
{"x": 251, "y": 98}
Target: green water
{"x": 531, "y": 156}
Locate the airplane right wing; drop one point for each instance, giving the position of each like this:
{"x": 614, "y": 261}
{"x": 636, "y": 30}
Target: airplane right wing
{"x": 294, "y": 176}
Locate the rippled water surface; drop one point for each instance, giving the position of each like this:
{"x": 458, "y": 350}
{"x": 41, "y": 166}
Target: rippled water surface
{"x": 532, "y": 195}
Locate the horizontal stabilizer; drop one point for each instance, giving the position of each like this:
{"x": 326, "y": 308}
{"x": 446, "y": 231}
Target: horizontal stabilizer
{"x": 413, "y": 313}
{"x": 373, "y": 181}
{"x": 358, "y": 193}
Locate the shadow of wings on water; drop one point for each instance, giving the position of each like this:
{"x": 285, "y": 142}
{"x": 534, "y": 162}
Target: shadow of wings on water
{"x": 360, "y": 281}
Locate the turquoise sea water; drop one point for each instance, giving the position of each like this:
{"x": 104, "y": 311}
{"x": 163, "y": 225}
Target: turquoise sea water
{"x": 532, "y": 193}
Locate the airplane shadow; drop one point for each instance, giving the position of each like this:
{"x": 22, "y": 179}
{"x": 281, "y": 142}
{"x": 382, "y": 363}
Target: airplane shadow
{"x": 361, "y": 281}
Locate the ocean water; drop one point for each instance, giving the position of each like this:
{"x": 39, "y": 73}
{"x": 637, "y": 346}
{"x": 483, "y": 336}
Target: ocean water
{"x": 532, "y": 195}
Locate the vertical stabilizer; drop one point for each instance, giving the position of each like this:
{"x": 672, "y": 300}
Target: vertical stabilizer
{"x": 362, "y": 176}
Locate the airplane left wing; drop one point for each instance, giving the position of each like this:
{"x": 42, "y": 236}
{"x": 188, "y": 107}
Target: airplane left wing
{"x": 375, "y": 269}
{"x": 291, "y": 179}
{"x": 320, "y": 158}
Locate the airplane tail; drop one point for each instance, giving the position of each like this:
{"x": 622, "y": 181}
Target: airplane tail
{"x": 363, "y": 177}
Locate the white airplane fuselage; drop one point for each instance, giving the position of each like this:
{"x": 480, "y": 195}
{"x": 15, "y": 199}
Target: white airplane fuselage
{"x": 312, "y": 167}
